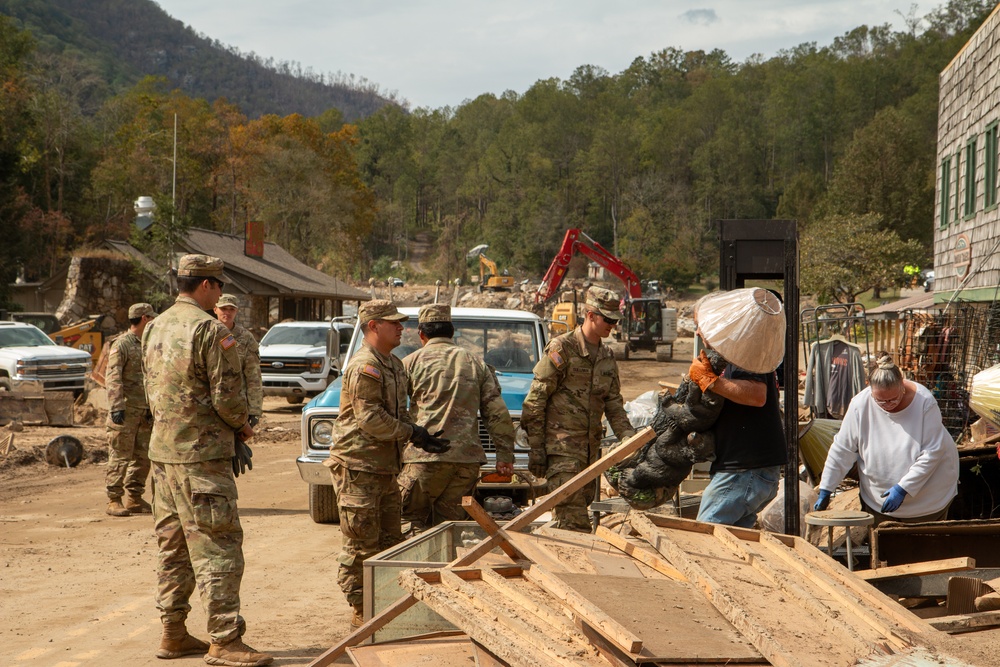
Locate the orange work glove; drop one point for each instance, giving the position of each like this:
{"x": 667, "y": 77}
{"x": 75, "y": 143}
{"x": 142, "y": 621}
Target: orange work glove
{"x": 702, "y": 373}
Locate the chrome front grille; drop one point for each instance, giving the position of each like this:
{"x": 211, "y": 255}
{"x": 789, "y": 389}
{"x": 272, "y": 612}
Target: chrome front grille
{"x": 284, "y": 366}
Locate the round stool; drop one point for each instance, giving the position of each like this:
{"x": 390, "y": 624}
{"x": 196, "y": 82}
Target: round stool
{"x": 844, "y": 518}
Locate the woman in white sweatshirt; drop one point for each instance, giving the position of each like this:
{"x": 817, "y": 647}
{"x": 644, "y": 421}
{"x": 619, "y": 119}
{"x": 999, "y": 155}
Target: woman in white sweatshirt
{"x": 907, "y": 461}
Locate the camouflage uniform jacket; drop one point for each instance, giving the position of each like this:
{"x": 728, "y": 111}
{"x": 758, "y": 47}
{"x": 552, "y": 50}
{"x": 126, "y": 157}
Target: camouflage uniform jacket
{"x": 373, "y": 425}
{"x": 194, "y": 385}
{"x": 570, "y": 393}
{"x": 250, "y": 361}
{"x": 123, "y": 377}
{"x": 449, "y": 388}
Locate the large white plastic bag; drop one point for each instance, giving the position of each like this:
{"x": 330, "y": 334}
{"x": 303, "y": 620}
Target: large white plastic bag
{"x": 772, "y": 519}
{"x": 985, "y": 396}
{"x": 642, "y": 409}
{"x": 746, "y": 326}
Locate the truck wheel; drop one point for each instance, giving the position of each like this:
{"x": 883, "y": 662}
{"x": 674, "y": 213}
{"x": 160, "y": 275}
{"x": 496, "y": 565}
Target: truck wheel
{"x": 625, "y": 352}
{"x": 323, "y": 504}
{"x": 294, "y": 400}
{"x": 662, "y": 356}
{"x": 4, "y": 384}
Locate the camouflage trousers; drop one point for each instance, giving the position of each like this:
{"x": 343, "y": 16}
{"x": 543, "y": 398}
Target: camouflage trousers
{"x": 128, "y": 455}
{"x": 570, "y": 514}
{"x": 369, "y": 522}
{"x": 432, "y": 492}
{"x": 200, "y": 543}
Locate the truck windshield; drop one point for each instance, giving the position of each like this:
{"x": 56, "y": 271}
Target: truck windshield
{"x": 509, "y": 347}
{"x": 312, "y": 336}
{"x": 23, "y": 337}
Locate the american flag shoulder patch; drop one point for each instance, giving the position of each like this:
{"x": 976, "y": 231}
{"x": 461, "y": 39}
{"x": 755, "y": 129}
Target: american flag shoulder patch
{"x": 371, "y": 371}
{"x": 556, "y": 358}
{"x": 228, "y": 342}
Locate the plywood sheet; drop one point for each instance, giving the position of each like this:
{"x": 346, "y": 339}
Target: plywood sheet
{"x": 438, "y": 652}
{"x": 616, "y": 566}
{"x": 674, "y": 620}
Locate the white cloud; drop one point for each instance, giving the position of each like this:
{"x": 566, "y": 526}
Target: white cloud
{"x": 441, "y": 52}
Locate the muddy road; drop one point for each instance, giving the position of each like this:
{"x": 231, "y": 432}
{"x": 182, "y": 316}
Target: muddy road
{"x": 77, "y": 586}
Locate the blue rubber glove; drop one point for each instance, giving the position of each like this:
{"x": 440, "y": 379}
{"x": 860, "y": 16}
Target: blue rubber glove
{"x": 896, "y": 495}
{"x": 824, "y": 500}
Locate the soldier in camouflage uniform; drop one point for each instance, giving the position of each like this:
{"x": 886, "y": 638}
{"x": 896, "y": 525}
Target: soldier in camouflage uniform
{"x": 129, "y": 421}
{"x": 195, "y": 390}
{"x": 226, "y": 310}
{"x": 575, "y": 385}
{"x": 449, "y": 388}
{"x": 369, "y": 436}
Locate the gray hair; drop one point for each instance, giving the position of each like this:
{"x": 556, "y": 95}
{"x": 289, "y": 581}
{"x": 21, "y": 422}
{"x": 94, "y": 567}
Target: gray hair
{"x": 883, "y": 372}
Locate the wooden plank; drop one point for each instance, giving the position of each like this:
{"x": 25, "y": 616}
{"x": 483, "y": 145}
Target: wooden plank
{"x": 544, "y": 504}
{"x": 534, "y": 551}
{"x": 628, "y": 447}
{"x": 374, "y": 624}
{"x": 511, "y": 647}
{"x": 788, "y": 584}
{"x": 641, "y": 555}
{"x": 927, "y": 567}
{"x": 674, "y": 620}
{"x": 744, "y": 620}
{"x": 584, "y": 608}
{"x": 560, "y": 648}
{"x": 486, "y": 659}
{"x": 966, "y": 622}
{"x": 486, "y": 522}
{"x": 506, "y": 587}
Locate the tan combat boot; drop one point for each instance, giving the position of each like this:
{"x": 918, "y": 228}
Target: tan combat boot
{"x": 357, "y": 616}
{"x": 136, "y": 505}
{"x": 236, "y": 654}
{"x": 176, "y": 642}
{"x": 115, "y": 508}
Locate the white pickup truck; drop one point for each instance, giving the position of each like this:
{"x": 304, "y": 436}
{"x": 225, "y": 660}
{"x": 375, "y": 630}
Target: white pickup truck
{"x": 299, "y": 360}
{"x": 30, "y": 359}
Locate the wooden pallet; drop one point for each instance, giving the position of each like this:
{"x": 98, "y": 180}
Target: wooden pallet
{"x": 796, "y": 605}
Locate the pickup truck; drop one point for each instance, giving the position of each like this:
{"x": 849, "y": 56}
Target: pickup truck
{"x": 298, "y": 360}
{"x": 511, "y": 341}
{"x": 30, "y": 359}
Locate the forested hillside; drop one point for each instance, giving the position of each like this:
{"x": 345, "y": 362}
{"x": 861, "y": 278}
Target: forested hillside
{"x": 840, "y": 137}
{"x": 121, "y": 41}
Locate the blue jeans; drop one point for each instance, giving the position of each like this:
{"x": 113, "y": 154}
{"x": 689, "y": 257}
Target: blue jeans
{"x": 733, "y": 497}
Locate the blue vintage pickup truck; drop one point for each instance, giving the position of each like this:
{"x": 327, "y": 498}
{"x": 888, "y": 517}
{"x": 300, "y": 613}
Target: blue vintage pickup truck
{"x": 509, "y": 340}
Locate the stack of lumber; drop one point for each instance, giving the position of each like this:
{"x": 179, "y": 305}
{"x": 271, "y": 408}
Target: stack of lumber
{"x": 651, "y": 590}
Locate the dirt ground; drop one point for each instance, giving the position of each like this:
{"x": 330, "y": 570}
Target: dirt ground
{"x": 77, "y": 586}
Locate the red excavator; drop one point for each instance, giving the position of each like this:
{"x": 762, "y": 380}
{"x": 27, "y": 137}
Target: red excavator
{"x": 645, "y": 324}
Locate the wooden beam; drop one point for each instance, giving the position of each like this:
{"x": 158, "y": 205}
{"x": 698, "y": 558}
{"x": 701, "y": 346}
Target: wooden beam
{"x": 585, "y": 609}
{"x": 744, "y": 620}
{"x": 374, "y": 624}
{"x": 487, "y": 523}
{"x": 915, "y": 569}
{"x": 559, "y": 649}
{"x": 818, "y": 610}
{"x": 545, "y": 503}
{"x": 641, "y": 555}
{"x": 628, "y": 447}
{"x": 966, "y": 622}
{"x": 504, "y": 586}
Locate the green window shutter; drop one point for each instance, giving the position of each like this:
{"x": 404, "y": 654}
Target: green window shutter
{"x": 970, "y": 178}
{"x": 990, "y": 167}
{"x": 945, "y": 191}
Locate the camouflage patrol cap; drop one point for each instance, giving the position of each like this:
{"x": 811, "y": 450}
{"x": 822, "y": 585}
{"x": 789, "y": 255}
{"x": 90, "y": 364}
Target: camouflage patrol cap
{"x": 200, "y": 266}
{"x": 434, "y": 312}
{"x": 140, "y": 309}
{"x": 227, "y": 301}
{"x": 379, "y": 309}
{"x": 604, "y": 301}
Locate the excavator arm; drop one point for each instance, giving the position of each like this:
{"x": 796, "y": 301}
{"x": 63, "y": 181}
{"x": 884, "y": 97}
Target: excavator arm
{"x": 576, "y": 241}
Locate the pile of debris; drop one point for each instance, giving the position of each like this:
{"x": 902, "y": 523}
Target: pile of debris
{"x": 652, "y": 589}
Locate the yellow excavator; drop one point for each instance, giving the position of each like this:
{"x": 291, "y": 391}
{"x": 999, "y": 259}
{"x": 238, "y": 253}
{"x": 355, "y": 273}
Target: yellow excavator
{"x": 490, "y": 278}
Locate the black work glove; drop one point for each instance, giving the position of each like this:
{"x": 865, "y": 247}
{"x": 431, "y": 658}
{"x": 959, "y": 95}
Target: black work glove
{"x": 118, "y": 417}
{"x": 431, "y": 443}
{"x": 242, "y": 459}
{"x": 254, "y": 420}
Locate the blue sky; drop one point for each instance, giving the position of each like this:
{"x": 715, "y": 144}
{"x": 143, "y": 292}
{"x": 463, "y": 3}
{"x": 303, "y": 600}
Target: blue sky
{"x": 438, "y": 53}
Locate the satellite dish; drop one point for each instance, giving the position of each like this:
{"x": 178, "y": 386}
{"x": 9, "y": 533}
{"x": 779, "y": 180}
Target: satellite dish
{"x": 478, "y": 250}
